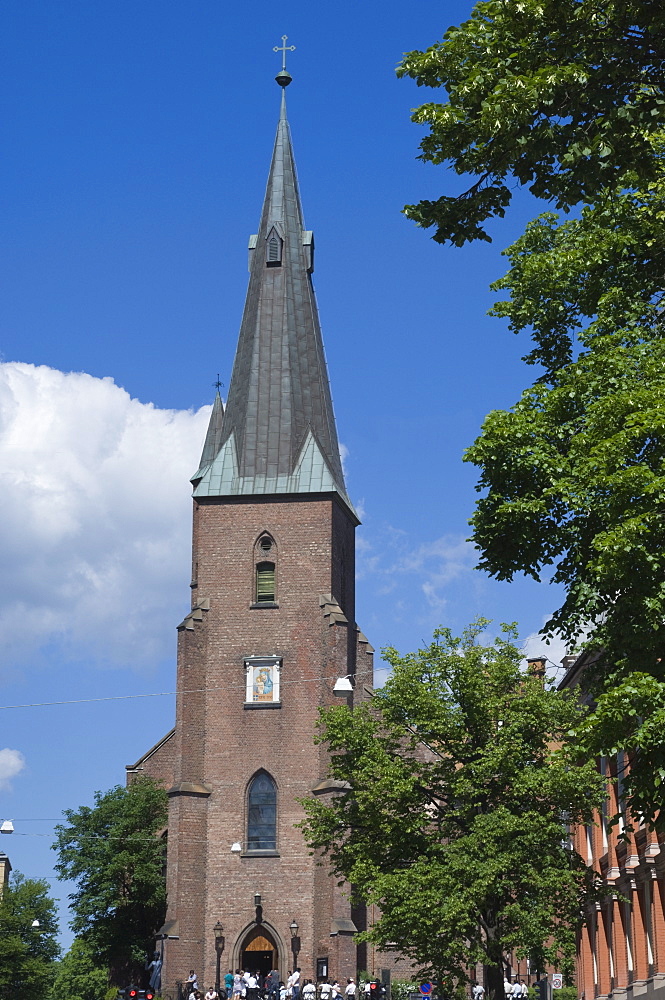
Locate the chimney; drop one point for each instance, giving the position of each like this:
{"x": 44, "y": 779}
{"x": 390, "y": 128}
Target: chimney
{"x": 5, "y": 869}
{"x": 536, "y": 666}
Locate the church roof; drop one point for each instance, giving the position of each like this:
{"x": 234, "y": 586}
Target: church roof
{"x": 277, "y": 433}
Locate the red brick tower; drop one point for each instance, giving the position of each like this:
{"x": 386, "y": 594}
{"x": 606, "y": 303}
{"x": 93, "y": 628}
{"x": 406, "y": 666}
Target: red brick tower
{"x": 272, "y": 627}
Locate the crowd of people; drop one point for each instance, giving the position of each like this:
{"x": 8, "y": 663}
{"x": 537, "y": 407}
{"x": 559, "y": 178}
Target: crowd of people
{"x": 511, "y": 991}
{"x": 516, "y": 990}
{"x": 256, "y": 986}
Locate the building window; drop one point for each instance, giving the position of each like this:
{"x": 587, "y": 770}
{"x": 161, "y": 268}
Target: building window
{"x": 604, "y": 818}
{"x": 262, "y": 814}
{"x": 274, "y": 245}
{"x": 265, "y": 583}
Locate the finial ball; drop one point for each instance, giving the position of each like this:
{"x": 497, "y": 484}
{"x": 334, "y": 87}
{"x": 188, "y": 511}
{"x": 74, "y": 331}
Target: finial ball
{"x": 283, "y": 78}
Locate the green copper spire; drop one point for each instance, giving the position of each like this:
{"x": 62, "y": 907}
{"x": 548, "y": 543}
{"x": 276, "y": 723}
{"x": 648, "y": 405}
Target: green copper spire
{"x": 278, "y": 432}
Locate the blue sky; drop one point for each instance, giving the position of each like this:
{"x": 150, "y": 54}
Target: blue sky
{"x": 136, "y": 143}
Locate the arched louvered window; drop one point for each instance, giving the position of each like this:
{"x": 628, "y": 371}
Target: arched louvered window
{"x": 274, "y": 249}
{"x": 265, "y": 582}
{"x": 262, "y": 814}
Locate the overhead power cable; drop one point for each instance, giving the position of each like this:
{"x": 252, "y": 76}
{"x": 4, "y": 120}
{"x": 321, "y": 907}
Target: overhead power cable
{"x": 241, "y": 686}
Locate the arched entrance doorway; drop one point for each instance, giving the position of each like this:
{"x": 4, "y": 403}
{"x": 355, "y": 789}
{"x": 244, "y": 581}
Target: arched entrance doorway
{"x": 259, "y": 951}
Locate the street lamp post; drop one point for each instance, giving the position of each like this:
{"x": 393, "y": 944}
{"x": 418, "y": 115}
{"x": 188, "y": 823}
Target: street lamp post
{"x": 219, "y": 948}
{"x": 295, "y": 942}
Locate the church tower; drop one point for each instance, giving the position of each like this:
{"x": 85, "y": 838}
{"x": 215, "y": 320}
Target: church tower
{"x": 271, "y": 629}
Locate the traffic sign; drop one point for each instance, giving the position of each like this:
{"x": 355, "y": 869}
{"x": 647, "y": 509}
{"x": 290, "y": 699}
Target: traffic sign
{"x": 425, "y": 989}
{"x": 557, "y": 981}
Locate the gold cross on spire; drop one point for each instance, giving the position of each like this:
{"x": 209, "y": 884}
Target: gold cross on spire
{"x": 284, "y": 48}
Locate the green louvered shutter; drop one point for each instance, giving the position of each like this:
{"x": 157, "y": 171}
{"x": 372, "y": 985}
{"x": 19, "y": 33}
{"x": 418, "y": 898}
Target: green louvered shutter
{"x": 265, "y": 582}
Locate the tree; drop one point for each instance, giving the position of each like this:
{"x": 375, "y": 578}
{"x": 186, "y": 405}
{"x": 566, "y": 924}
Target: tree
{"x": 453, "y": 808}
{"x": 115, "y": 854}
{"x": 567, "y": 97}
{"x": 27, "y": 953}
{"x": 563, "y": 96}
{"x": 574, "y": 474}
{"x": 79, "y": 975}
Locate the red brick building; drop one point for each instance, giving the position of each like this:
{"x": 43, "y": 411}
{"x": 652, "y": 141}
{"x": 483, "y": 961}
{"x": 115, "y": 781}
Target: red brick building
{"x": 621, "y": 952}
{"x": 270, "y": 631}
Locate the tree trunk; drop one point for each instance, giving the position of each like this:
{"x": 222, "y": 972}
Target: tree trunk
{"x": 493, "y": 971}
{"x": 494, "y": 980}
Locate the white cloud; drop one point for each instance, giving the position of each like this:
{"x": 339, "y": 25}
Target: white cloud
{"x": 12, "y": 763}
{"x": 381, "y": 675}
{"x": 553, "y": 648}
{"x": 343, "y": 455}
{"x": 95, "y": 527}
{"x": 391, "y": 559}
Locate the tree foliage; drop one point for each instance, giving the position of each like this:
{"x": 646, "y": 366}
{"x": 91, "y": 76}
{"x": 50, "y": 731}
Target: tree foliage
{"x": 454, "y": 810}
{"x": 27, "y": 953}
{"x": 567, "y": 98}
{"x": 115, "y": 854}
{"x": 574, "y": 474}
{"x": 563, "y": 96}
{"x": 79, "y": 975}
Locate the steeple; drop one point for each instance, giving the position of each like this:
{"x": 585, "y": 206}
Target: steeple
{"x": 277, "y": 434}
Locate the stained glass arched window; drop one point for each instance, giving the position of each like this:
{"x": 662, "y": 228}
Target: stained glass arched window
{"x": 262, "y": 814}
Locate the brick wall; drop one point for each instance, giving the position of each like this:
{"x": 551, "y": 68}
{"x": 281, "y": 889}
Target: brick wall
{"x": 219, "y": 744}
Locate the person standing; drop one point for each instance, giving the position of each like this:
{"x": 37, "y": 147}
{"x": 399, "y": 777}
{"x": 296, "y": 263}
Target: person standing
{"x": 272, "y": 985}
{"x": 295, "y": 984}
{"x": 325, "y": 990}
{"x": 350, "y": 989}
{"x": 228, "y": 984}
{"x": 252, "y": 987}
{"x": 309, "y": 990}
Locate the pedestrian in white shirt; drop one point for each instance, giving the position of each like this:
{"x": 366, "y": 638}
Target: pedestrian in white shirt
{"x": 350, "y": 990}
{"x": 252, "y": 987}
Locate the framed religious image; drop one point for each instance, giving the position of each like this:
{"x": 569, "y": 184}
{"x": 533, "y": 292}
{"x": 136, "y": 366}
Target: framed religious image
{"x": 262, "y": 680}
